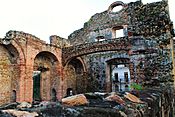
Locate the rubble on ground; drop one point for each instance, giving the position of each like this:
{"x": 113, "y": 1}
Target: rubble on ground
{"x": 145, "y": 103}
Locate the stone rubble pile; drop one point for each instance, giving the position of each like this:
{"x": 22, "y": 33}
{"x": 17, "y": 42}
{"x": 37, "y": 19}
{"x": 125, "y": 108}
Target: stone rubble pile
{"x": 145, "y": 103}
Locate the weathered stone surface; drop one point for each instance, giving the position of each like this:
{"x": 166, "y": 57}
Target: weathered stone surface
{"x": 132, "y": 98}
{"x": 84, "y": 64}
{"x": 75, "y": 100}
{"x": 3, "y": 114}
{"x": 24, "y": 105}
{"x": 116, "y": 98}
{"x": 17, "y": 113}
{"x": 5, "y": 76}
{"x": 9, "y": 106}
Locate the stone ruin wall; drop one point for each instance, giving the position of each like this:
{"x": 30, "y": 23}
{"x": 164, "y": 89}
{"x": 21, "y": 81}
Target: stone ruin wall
{"x": 149, "y": 28}
{"x": 5, "y": 76}
{"x": 100, "y": 24}
{"x": 153, "y": 27}
{"x": 9, "y": 68}
{"x": 96, "y": 66}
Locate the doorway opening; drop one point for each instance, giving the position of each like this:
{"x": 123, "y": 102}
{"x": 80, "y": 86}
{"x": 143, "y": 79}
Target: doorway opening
{"x": 13, "y": 96}
{"x": 53, "y": 95}
{"x": 119, "y": 74}
{"x": 69, "y": 92}
{"x": 121, "y": 77}
{"x": 36, "y": 86}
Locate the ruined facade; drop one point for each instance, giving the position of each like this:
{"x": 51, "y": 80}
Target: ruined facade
{"x": 23, "y": 57}
{"x": 91, "y": 58}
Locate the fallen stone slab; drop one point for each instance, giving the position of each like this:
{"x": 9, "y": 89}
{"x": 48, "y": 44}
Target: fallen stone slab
{"x": 116, "y": 98}
{"x": 132, "y": 98}
{"x": 18, "y": 113}
{"x": 75, "y": 100}
{"x": 24, "y": 105}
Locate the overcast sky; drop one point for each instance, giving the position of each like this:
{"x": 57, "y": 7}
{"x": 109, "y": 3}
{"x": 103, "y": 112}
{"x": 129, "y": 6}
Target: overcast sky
{"x": 43, "y": 18}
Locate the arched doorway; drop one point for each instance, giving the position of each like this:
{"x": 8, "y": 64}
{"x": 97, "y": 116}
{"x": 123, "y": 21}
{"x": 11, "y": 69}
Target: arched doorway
{"x": 76, "y": 79}
{"x": 118, "y": 74}
{"x": 45, "y": 76}
{"x": 9, "y": 72}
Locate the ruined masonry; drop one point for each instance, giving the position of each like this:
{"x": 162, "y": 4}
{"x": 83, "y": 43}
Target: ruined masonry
{"x": 113, "y": 51}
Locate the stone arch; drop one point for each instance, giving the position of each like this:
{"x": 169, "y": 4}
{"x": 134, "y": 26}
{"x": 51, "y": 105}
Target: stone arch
{"x": 46, "y": 75}
{"x": 21, "y": 67}
{"x": 75, "y": 71}
{"x": 81, "y": 60}
{"x": 83, "y": 63}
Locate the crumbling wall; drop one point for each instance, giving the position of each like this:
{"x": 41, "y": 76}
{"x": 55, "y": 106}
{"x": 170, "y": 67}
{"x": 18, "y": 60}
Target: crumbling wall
{"x": 149, "y": 30}
{"x": 149, "y": 20}
{"x": 97, "y": 68}
{"x": 5, "y": 85}
{"x": 59, "y": 41}
{"x": 100, "y": 24}
{"x": 9, "y": 74}
{"x": 151, "y": 24}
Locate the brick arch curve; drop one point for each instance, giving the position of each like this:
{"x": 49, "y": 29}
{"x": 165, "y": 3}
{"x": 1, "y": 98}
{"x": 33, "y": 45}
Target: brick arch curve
{"x": 46, "y": 51}
{"x": 82, "y": 62}
{"x": 20, "y": 92}
{"x": 20, "y": 51}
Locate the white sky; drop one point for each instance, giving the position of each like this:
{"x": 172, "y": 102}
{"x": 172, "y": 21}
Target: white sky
{"x": 43, "y": 18}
